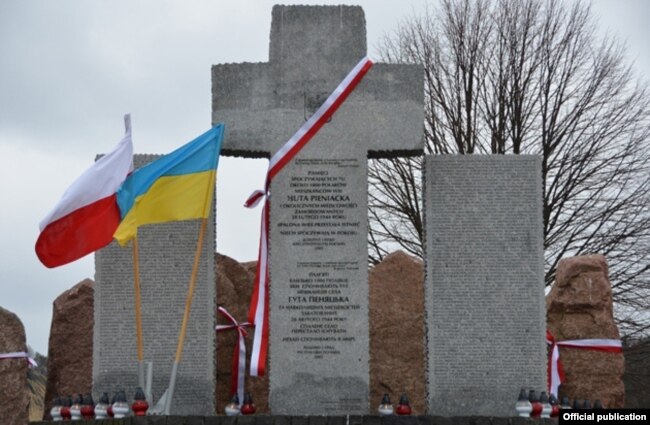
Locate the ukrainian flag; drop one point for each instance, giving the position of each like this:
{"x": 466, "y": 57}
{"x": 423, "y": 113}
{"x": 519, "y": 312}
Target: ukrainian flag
{"x": 177, "y": 186}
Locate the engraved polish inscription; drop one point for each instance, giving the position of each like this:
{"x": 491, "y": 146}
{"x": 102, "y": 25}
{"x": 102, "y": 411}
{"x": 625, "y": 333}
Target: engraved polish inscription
{"x": 322, "y": 218}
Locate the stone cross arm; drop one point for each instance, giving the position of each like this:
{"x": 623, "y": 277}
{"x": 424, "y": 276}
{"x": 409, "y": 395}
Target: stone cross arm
{"x": 312, "y": 49}
{"x": 384, "y": 113}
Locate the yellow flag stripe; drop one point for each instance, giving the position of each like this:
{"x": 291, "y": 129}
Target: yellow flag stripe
{"x": 170, "y": 198}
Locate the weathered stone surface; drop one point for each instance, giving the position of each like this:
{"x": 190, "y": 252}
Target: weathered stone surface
{"x": 397, "y": 341}
{"x": 14, "y": 396}
{"x": 70, "y": 348}
{"x": 579, "y": 306}
{"x": 235, "y": 287}
{"x": 484, "y": 284}
{"x": 251, "y": 266}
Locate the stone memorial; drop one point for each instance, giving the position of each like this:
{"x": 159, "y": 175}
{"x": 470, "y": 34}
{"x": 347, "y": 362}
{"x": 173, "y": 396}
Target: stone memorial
{"x": 397, "y": 352}
{"x": 318, "y": 354}
{"x": 484, "y": 289}
{"x": 235, "y": 287}
{"x": 580, "y": 307}
{"x": 70, "y": 346}
{"x": 166, "y": 254}
{"x": 14, "y": 395}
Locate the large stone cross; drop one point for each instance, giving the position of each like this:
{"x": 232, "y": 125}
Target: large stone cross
{"x": 319, "y": 351}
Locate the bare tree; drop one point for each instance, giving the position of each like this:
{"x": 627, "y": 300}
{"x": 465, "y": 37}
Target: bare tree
{"x": 533, "y": 77}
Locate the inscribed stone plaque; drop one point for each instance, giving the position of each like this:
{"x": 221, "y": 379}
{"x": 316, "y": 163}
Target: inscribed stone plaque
{"x": 318, "y": 218}
{"x": 484, "y": 286}
{"x": 166, "y": 254}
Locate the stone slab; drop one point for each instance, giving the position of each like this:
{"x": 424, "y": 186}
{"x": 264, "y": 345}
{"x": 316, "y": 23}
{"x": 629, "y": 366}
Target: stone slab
{"x": 166, "y": 254}
{"x": 484, "y": 287}
{"x": 319, "y": 296}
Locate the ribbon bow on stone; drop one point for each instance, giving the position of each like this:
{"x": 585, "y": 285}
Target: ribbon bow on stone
{"x": 19, "y": 355}
{"x": 239, "y": 356}
{"x": 556, "y": 370}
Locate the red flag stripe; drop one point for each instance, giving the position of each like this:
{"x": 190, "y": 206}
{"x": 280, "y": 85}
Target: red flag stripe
{"x": 79, "y": 233}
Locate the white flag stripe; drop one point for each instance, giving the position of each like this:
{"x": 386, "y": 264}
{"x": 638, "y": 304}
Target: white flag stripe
{"x": 100, "y": 180}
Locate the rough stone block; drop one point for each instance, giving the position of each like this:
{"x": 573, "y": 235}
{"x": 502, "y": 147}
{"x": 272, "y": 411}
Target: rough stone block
{"x": 70, "y": 347}
{"x": 14, "y": 397}
{"x": 580, "y": 306}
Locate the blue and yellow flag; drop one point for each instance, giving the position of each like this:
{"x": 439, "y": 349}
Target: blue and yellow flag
{"x": 177, "y": 186}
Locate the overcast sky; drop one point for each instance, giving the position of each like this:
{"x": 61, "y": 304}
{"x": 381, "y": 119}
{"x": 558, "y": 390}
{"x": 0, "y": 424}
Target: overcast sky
{"x": 70, "y": 69}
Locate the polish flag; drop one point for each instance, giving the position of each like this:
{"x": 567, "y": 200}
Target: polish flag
{"x": 87, "y": 215}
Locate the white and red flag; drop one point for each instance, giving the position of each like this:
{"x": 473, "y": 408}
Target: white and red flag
{"x": 259, "y": 310}
{"x": 87, "y": 214}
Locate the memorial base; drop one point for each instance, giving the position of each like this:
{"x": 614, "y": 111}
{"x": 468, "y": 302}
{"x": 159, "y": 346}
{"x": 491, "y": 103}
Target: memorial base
{"x": 313, "y": 420}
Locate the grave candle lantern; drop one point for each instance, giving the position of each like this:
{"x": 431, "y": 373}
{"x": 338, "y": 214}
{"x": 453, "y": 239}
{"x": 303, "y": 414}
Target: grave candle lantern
{"x": 232, "y": 408}
{"x": 546, "y": 406}
{"x": 101, "y": 409}
{"x": 385, "y": 407}
{"x": 75, "y": 409}
{"x": 536, "y": 405}
{"x": 88, "y": 407}
{"x": 555, "y": 407}
{"x": 404, "y": 407}
{"x": 140, "y": 405}
{"x": 120, "y": 407}
{"x": 55, "y": 411}
{"x": 66, "y": 402}
{"x": 248, "y": 408}
{"x": 523, "y": 406}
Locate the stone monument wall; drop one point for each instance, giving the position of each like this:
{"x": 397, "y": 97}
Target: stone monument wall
{"x": 484, "y": 282}
{"x": 166, "y": 253}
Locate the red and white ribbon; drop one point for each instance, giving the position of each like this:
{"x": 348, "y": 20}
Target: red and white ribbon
{"x": 239, "y": 356}
{"x": 19, "y": 355}
{"x": 555, "y": 369}
{"x": 258, "y": 312}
